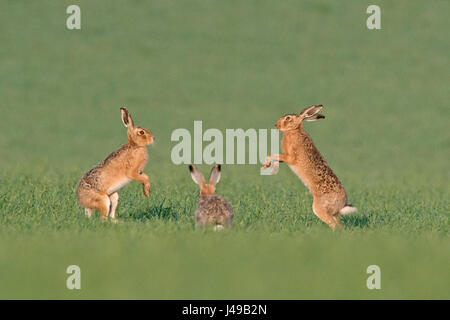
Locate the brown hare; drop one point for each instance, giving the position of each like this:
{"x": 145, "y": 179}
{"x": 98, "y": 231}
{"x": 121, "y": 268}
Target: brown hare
{"x": 98, "y": 188}
{"x": 212, "y": 209}
{"x": 302, "y": 156}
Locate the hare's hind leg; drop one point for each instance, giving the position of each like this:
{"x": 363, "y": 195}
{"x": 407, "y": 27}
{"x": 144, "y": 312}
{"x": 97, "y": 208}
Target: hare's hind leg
{"x": 323, "y": 213}
{"x": 114, "y": 201}
{"x": 93, "y": 199}
{"x": 103, "y": 205}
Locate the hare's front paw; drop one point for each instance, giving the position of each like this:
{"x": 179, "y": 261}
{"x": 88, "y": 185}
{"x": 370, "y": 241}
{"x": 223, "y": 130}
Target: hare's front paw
{"x": 146, "y": 190}
{"x": 268, "y": 162}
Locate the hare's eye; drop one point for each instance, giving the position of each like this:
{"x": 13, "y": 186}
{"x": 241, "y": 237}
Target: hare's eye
{"x": 141, "y": 132}
{"x": 288, "y": 118}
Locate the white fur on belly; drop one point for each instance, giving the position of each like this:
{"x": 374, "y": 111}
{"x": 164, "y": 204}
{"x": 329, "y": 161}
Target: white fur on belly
{"x": 119, "y": 184}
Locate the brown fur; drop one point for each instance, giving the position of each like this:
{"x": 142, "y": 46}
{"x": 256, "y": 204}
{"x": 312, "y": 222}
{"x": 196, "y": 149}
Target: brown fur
{"x": 97, "y": 189}
{"x": 211, "y": 208}
{"x": 302, "y": 156}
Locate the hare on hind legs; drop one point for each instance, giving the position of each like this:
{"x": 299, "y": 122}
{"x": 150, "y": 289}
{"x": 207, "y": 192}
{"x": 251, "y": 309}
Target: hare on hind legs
{"x": 97, "y": 189}
{"x": 302, "y": 156}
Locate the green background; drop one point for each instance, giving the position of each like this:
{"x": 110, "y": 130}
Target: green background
{"x": 231, "y": 64}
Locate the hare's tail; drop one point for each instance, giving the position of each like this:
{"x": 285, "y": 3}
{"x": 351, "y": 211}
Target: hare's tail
{"x": 348, "y": 209}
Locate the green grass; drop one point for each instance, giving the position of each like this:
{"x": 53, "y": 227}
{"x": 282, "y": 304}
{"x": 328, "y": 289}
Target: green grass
{"x": 232, "y": 64}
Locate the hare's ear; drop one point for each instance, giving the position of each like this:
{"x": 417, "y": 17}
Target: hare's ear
{"x": 196, "y": 175}
{"x": 214, "y": 177}
{"x": 126, "y": 118}
{"x": 315, "y": 117}
{"x": 310, "y": 113}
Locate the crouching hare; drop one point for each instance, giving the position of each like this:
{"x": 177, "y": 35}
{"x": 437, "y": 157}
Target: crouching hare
{"x": 212, "y": 209}
{"x": 302, "y": 156}
{"x": 97, "y": 189}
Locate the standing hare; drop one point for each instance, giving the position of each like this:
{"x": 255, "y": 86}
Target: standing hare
{"x": 211, "y": 208}
{"x": 302, "y": 156}
{"x": 98, "y": 188}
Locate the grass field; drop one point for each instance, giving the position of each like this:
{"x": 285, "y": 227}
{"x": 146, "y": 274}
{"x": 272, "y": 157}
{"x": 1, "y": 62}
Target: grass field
{"x": 232, "y": 64}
